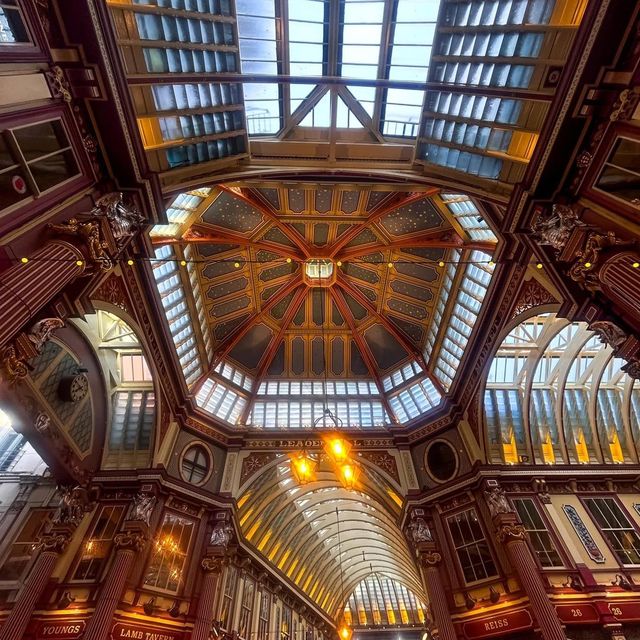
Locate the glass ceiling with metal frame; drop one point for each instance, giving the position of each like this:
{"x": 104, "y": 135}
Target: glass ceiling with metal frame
{"x": 284, "y": 301}
{"x": 556, "y": 394}
{"x": 363, "y": 40}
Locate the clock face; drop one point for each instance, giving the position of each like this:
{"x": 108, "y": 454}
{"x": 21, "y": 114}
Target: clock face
{"x": 74, "y": 388}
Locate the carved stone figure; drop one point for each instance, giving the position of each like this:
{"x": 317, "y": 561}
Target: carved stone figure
{"x": 90, "y": 232}
{"x": 419, "y": 530}
{"x": 142, "y": 508}
{"x": 497, "y": 501}
{"x": 609, "y": 333}
{"x": 555, "y": 228}
{"x": 14, "y": 367}
{"x": 41, "y": 331}
{"x": 124, "y": 220}
{"x": 582, "y": 270}
{"x": 74, "y": 503}
{"x": 221, "y": 534}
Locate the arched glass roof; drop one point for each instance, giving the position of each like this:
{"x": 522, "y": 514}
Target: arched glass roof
{"x": 267, "y": 340}
{"x": 556, "y": 394}
{"x": 296, "y": 528}
{"x": 381, "y": 601}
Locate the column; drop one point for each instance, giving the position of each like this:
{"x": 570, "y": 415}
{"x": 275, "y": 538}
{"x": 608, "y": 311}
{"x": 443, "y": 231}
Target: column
{"x": 430, "y": 560}
{"x": 51, "y": 547}
{"x": 128, "y": 543}
{"x": 211, "y": 565}
{"x": 512, "y": 535}
{"x": 26, "y": 288}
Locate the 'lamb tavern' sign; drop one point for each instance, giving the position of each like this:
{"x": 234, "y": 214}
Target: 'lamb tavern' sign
{"x": 126, "y": 631}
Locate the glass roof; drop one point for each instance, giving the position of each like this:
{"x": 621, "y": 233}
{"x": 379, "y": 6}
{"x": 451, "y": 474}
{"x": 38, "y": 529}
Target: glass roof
{"x": 287, "y": 300}
{"x": 327, "y": 539}
{"x": 556, "y": 394}
{"x": 363, "y": 40}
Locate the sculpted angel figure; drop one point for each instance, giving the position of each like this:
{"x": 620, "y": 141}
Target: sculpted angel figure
{"x": 142, "y": 507}
{"x": 497, "y": 501}
{"x": 221, "y": 534}
{"x": 555, "y": 228}
{"x": 419, "y": 530}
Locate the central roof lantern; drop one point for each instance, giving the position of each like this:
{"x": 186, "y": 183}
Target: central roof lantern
{"x": 319, "y": 272}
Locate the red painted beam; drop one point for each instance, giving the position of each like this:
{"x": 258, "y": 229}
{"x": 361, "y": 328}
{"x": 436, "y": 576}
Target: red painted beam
{"x": 436, "y": 243}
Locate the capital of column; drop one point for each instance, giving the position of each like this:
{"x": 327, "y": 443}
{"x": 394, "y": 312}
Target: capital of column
{"x": 53, "y": 542}
{"x": 430, "y": 558}
{"x": 134, "y": 540}
{"x": 510, "y": 531}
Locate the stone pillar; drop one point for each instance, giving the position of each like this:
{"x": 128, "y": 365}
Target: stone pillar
{"x": 430, "y": 560}
{"x": 129, "y": 543}
{"x": 51, "y": 547}
{"x": 512, "y": 535}
{"x": 26, "y": 288}
{"x": 211, "y": 565}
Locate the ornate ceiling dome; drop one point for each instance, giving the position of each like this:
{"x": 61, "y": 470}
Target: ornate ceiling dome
{"x": 302, "y": 291}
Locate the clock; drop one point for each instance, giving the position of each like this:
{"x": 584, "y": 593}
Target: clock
{"x": 73, "y": 388}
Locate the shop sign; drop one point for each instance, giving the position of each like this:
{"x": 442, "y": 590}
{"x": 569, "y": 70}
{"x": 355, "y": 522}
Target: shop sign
{"x": 625, "y": 610}
{"x": 128, "y": 631}
{"x": 503, "y": 623}
{"x": 60, "y": 630}
{"x": 577, "y": 613}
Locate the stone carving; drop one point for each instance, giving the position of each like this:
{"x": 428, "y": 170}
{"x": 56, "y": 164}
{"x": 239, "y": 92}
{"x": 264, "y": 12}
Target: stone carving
{"x": 41, "y": 331}
{"x": 583, "y": 533}
{"x": 497, "y": 501}
{"x": 632, "y": 368}
{"x": 142, "y": 508}
{"x": 53, "y": 542}
{"x": 211, "y": 565}
{"x": 555, "y": 228}
{"x": 609, "y": 333}
{"x": 58, "y": 83}
{"x": 74, "y": 503}
{"x": 431, "y": 558}
{"x": 419, "y": 530}
{"x": 124, "y": 220}
{"x": 221, "y": 534}
{"x": 112, "y": 290}
{"x": 13, "y": 366}
{"x": 42, "y": 424}
{"x": 582, "y": 271}
{"x": 91, "y": 234}
{"x": 511, "y": 531}
{"x": 134, "y": 540}
{"x": 532, "y": 294}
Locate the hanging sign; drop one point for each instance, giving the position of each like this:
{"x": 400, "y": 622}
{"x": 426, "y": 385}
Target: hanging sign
{"x": 128, "y": 631}
{"x": 60, "y": 630}
{"x": 499, "y": 624}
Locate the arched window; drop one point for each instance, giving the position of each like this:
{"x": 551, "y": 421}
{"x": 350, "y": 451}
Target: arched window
{"x": 556, "y": 394}
{"x": 133, "y": 403}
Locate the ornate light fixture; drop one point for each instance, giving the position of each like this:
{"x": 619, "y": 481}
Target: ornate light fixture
{"x": 349, "y": 473}
{"x": 337, "y": 449}
{"x": 303, "y": 467}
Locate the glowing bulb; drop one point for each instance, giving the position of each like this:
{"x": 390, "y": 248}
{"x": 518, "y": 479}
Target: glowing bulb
{"x": 337, "y": 449}
{"x": 236, "y": 265}
{"x": 441, "y": 263}
{"x": 130, "y": 262}
{"x": 390, "y": 265}
{"x": 345, "y": 632}
{"x": 288, "y": 260}
{"x": 587, "y": 265}
{"x": 303, "y": 468}
{"x": 339, "y": 263}
{"x": 24, "y": 260}
{"x": 492, "y": 263}
{"x": 183, "y": 263}
{"x": 635, "y": 264}
{"x": 539, "y": 265}
{"x": 79, "y": 263}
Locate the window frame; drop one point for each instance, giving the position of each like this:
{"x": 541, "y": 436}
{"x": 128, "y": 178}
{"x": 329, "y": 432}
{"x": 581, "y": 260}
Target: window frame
{"x": 454, "y": 550}
{"x": 601, "y": 532}
{"x": 565, "y": 557}
{"x": 208, "y": 455}
{"x": 36, "y": 48}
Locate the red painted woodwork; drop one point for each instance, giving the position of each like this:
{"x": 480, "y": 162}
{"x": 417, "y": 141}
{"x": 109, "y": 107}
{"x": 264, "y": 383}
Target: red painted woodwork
{"x": 577, "y": 613}
{"x": 498, "y": 625}
{"x": 137, "y": 631}
{"x": 60, "y": 629}
{"x": 625, "y": 611}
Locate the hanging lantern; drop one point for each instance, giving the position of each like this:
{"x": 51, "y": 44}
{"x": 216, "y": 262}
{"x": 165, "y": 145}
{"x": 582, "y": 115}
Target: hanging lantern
{"x": 349, "y": 473}
{"x": 337, "y": 449}
{"x": 303, "y": 467}
{"x": 344, "y": 632}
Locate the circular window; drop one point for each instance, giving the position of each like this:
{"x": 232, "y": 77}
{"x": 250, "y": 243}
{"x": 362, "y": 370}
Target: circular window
{"x": 441, "y": 461}
{"x": 195, "y": 466}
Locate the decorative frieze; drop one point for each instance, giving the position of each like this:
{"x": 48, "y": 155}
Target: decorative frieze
{"x": 583, "y": 533}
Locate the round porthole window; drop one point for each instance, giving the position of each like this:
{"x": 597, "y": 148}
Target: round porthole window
{"x": 441, "y": 461}
{"x": 195, "y": 466}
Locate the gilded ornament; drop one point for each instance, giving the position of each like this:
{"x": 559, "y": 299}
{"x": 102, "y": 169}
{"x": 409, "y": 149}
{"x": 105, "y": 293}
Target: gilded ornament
{"x": 14, "y": 367}
{"x": 555, "y": 228}
{"x": 431, "y": 558}
{"x": 134, "y": 540}
{"x": 210, "y": 564}
{"x": 508, "y": 532}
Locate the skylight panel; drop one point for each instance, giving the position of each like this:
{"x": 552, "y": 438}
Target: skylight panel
{"x": 467, "y": 214}
{"x": 307, "y": 46}
{"x": 361, "y": 38}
